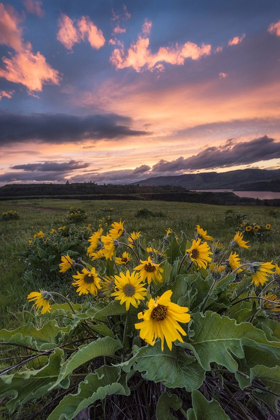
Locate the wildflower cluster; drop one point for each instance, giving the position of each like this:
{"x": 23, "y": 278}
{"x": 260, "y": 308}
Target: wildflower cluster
{"x": 9, "y": 215}
{"x": 76, "y": 215}
{"x": 45, "y": 249}
{"x": 139, "y": 273}
{"x": 170, "y": 313}
{"x": 255, "y": 230}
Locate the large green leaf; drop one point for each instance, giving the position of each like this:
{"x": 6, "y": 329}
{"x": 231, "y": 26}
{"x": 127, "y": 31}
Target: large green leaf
{"x": 95, "y": 386}
{"x": 270, "y": 377}
{"x": 175, "y": 369}
{"x": 114, "y": 308}
{"x": 28, "y": 384}
{"x": 47, "y": 337}
{"x": 219, "y": 339}
{"x": 106, "y": 346}
{"x": 164, "y": 404}
{"x": 205, "y": 410}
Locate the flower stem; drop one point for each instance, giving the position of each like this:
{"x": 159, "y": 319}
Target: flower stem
{"x": 208, "y": 295}
{"x": 122, "y": 243}
{"x": 125, "y": 330}
{"x": 181, "y": 263}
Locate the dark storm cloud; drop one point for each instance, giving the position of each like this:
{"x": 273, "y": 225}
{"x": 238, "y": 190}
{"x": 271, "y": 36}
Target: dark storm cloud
{"x": 230, "y": 154}
{"x": 31, "y": 176}
{"x": 52, "y": 166}
{"x": 141, "y": 169}
{"x": 61, "y": 128}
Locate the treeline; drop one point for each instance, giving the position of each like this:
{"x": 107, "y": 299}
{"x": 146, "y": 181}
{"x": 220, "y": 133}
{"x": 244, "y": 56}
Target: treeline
{"x": 91, "y": 191}
{"x": 25, "y": 190}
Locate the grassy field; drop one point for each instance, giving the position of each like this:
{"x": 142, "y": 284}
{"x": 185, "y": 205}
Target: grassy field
{"x": 44, "y": 214}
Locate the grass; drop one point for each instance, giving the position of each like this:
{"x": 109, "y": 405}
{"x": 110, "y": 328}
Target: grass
{"x": 44, "y": 214}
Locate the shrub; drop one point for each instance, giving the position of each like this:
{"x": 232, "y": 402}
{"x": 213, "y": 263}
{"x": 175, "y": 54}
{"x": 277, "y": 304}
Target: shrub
{"x": 9, "y": 215}
{"x": 76, "y": 215}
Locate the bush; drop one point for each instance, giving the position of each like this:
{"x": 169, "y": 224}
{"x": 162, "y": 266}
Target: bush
{"x": 76, "y": 215}
{"x": 145, "y": 213}
{"x": 9, "y": 215}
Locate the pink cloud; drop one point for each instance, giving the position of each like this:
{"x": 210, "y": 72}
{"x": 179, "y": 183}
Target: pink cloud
{"x": 236, "y": 40}
{"x": 10, "y": 33}
{"x": 31, "y": 70}
{"x": 274, "y": 28}
{"x": 24, "y": 67}
{"x": 222, "y": 75}
{"x": 34, "y": 7}
{"x": 67, "y": 34}
{"x": 5, "y": 94}
{"x": 218, "y": 49}
{"x": 90, "y": 32}
{"x": 119, "y": 30}
{"x": 140, "y": 57}
{"x": 146, "y": 27}
{"x": 126, "y": 14}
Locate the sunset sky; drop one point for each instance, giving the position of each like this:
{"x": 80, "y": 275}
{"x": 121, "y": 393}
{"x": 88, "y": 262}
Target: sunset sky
{"x": 112, "y": 91}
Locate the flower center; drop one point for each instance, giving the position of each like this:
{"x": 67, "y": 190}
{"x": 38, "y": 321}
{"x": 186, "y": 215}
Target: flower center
{"x": 124, "y": 260}
{"x": 195, "y": 254}
{"x": 149, "y": 268}
{"x": 159, "y": 313}
{"x": 88, "y": 279}
{"x": 129, "y": 290}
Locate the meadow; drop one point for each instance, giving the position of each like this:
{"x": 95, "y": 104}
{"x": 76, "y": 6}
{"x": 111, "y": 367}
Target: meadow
{"x": 45, "y": 214}
{"x": 152, "y": 219}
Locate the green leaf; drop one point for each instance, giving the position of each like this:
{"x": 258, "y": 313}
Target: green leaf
{"x": 174, "y": 369}
{"x": 95, "y": 386}
{"x": 173, "y": 251}
{"x": 47, "y": 337}
{"x": 166, "y": 275}
{"x": 28, "y": 385}
{"x": 219, "y": 339}
{"x": 164, "y": 404}
{"x": 106, "y": 346}
{"x": 114, "y": 308}
{"x": 205, "y": 410}
{"x": 102, "y": 330}
{"x": 182, "y": 286}
{"x": 223, "y": 283}
{"x": 270, "y": 327}
{"x": 271, "y": 379}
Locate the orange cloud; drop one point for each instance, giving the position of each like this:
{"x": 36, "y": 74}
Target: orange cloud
{"x": 140, "y": 57}
{"x": 31, "y": 70}
{"x": 25, "y": 67}
{"x": 90, "y": 32}
{"x": 119, "y": 30}
{"x": 274, "y": 28}
{"x": 34, "y": 7}
{"x": 236, "y": 40}
{"x": 222, "y": 75}
{"x": 126, "y": 14}
{"x": 218, "y": 49}
{"x": 10, "y": 33}
{"x": 146, "y": 27}
{"x": 68, "y": 35}
{"x": 5, "y": 94}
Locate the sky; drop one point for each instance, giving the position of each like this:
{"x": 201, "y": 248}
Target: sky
{"x": 114, "y": 92}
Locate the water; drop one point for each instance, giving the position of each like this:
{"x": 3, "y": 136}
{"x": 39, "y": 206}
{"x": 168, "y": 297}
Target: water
{"x": 262, "y": 195}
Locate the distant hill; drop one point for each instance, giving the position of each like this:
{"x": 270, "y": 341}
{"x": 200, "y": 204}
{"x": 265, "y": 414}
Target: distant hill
{"x": 241, "y": 180}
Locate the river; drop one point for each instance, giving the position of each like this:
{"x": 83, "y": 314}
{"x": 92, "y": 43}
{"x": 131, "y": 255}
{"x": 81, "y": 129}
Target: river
{"x": 262, "y": 195}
